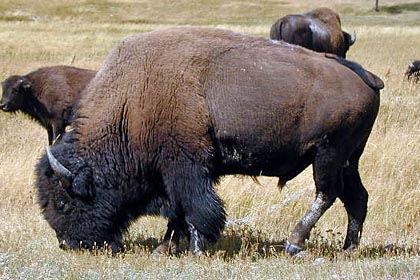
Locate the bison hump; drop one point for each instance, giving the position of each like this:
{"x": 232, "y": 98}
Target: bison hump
{"x": 369, "y": 78}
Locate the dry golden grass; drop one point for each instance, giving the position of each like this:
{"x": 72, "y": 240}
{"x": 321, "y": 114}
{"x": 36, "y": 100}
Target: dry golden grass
{"x": 55, "y": 32}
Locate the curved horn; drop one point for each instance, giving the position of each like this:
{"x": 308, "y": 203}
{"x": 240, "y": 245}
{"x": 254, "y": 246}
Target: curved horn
{"x": 353, "y": 40}
{"x": 58, "y": 168}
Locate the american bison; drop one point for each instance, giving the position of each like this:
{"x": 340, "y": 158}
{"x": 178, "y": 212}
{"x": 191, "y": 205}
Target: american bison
{"x": 47, "y": 95}
{"x": 318, "y": 30}
{"x": 413, "y": 71}
{"x": 172, "y": 111}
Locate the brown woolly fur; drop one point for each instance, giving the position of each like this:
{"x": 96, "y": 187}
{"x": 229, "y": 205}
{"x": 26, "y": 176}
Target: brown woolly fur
{"x": 48, "y": 95}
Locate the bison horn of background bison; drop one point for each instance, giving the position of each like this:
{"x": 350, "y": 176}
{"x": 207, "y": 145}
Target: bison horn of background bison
{"x": 59, "y": 169}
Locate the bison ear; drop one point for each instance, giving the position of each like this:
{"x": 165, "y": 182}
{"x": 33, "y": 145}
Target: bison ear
{"x": 83, "y": 185}
{"x": 80, "y": 185}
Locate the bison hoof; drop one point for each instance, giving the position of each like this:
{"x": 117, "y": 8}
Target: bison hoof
{"x": 156, "y": 254}
{"x": 164, "y": 249}
{"x": 197, "y": 253}
{"x": 293, "y": 249}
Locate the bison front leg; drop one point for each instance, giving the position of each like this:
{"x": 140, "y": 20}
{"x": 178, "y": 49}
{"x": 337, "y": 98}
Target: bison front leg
{"x": 327, "y": 176}
{"x": 170, "y": 242}
{"x": 191, "y": 191}
{"x": 196, "y": 240}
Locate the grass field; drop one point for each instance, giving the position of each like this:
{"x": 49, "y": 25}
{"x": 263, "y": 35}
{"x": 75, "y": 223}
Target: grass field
{"x": 41, "y": 33}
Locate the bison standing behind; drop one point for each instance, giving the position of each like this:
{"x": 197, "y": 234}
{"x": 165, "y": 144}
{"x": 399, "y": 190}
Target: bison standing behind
{"x": 318, "y": 30}
{"x": 413, "y": 71}
{"x": 171, "y": 111}
{"x": 47, "y": 95}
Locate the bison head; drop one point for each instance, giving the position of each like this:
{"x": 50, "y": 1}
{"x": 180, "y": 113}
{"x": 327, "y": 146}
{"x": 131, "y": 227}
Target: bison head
{"x": 82, "y": 215}
{"x": 15, "y": 88}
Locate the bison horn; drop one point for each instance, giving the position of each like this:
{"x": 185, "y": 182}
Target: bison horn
{"x": 353, "y": 40}
{"x": 411, "y": 65}
{"x": 64, "y": 174}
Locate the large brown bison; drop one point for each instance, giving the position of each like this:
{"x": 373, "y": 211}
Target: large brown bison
{"x": 172, "y": 111}
{"x": 48, "y": 95}
{"x": 318, "y": 30}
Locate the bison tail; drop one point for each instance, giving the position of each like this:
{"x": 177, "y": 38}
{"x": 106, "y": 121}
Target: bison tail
{"x": 369, "y": 78}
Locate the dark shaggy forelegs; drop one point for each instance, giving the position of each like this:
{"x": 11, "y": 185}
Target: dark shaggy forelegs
{"x": 170, "y": 242}
{"x": 193, "y": 197}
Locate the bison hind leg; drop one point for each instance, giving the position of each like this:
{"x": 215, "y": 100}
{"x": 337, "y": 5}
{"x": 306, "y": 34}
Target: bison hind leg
{"x": 327, "y": 169}
{"x": 190, "y": 190}
{"x": 355, "y": 199}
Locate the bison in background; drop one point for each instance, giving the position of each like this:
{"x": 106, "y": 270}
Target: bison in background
{"x": 171, "y": 111}
{"x": 318, "y": 30}
{"x": 413, "y": 71}
{"x": 47, "y": 95}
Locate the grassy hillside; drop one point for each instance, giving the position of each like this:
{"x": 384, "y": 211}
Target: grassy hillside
{"x": 41, "y": 33}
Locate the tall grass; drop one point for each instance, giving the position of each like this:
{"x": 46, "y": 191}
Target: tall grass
{"x": 35, "y": 34}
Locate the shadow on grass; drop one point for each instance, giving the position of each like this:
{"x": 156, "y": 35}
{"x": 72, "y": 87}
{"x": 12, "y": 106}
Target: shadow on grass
{"x": 237, "y": 241}
{"x": 16, "y": 18}
{"x": 245, "y": 242}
